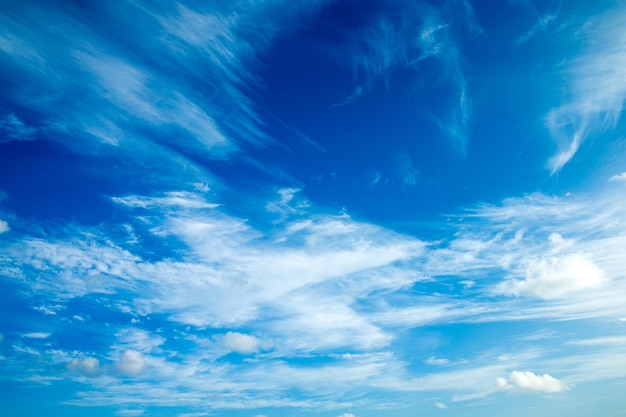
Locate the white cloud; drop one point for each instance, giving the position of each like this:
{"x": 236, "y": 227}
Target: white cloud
{"x": 597, "y": 89}
{"x": 86, "y": 366}
{"x": 37, "y": 335}
{"x": 4, "y": 226}
{"x": 437, "y": 361}
{"x": 555, "y": 277}
{"x": 240, "y": 343}
{"x": 346, "y": 415}
{"x": 528, "y": 382}
{"x": 131, "y": 363}
{"x": 441, "y": 406}
{"x": 173, "y": 199}
{"x": 618, "y": 177}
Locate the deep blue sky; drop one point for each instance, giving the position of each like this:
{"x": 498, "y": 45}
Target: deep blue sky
{"x": 332, "y": 208}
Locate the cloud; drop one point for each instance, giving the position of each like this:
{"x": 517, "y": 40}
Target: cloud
{"x": 240, "y": 343}
{"x": 12, "y": 128}
{"x": 554, "y": 277}
{"x": 4, "y": 226}
{"x": 437, "y": 361}
{"x": 131, "y": 363}
{"x": 528, "y": 382}
{"x": 441, "y": 406}
{"x": 346, "y": 415}
{"x": 422, "y": 33}
{"x": 37, "y": 335}
{"x": 86, "y": 366}
{"x": 173, "y": 199}
{"x": 544, "y": 20}
{"x": 596, "y": 90}
{"x": 618, "y": 177}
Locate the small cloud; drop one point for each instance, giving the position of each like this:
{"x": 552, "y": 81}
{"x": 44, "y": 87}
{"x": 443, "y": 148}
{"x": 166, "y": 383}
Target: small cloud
{"x": 440, "y": 405}
{"x": 202, "y": 187}
{"x": 240, "y": 343}
{"x": 619, "y": 177}
{"x": 4, "y": 226}
{"x": 37, "y": 335}
{"x": 436, "y": 361}
{"x": 529, "y": 382}
{"x": 347, "y": 415}
{"x": 467, "y": 283}
{"x": 131, "y": 363}
{"x": 85, "y": 366}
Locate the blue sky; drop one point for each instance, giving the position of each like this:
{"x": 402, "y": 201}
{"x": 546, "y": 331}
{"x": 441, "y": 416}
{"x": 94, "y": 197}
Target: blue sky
{"x": 331, "y": 208}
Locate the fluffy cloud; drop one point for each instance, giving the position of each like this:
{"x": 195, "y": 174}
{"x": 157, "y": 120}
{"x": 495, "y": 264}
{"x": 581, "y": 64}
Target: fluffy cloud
{"x": 131, "y": 363}
{"x": 528, "y": 382}
{"x": 240, "y": 343}
{"x": 85, "y": 366}
{"x": 554, "y": 277}
{"x": 347, "y": 415}
{"x": 4, "y": 226}
{"x": 441, "y": 406}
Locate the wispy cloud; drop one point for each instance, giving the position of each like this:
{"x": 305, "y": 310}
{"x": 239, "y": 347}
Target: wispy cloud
{"x": 425, "y": 33}
{"x": 12, "y": 128}
{"x": 596, "y": 89}
{"x": 618, "y": 177}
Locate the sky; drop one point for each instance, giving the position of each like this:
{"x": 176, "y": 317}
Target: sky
{"x": 333, "y": 208}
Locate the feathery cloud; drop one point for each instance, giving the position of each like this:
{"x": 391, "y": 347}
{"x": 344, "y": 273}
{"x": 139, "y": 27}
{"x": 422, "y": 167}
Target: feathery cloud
{"x": 597, "y": 89}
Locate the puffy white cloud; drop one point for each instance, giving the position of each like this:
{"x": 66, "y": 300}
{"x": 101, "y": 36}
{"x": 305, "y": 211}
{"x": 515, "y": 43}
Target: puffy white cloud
{"x": 346, "y": 415}
{"x": 554, "y": 277}
{"x": 240, "y": 343}
{"x": 131, "y": 363}
{"x": 441, "y": 406}
{"x": 4, "y": 226}
{"x": 529, "y": 382}
{"x": 86, "y": 366}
